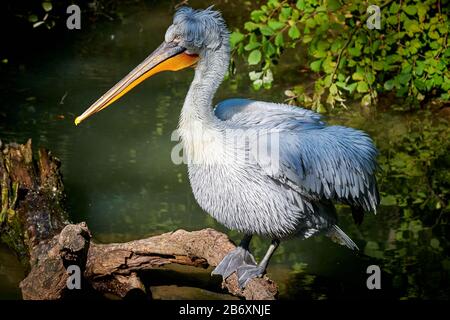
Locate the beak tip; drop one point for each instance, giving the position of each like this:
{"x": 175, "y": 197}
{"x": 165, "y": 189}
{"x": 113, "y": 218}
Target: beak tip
{"x": 77, "y": 121}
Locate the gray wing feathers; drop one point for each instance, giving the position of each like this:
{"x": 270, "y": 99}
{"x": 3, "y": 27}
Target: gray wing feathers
{"x": 338, "y": 163}
{"x": 294, "y": 145}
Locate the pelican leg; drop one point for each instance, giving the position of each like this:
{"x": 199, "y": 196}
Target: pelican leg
{"x": 240, "y": 256}
{"x": 247, "y": 272}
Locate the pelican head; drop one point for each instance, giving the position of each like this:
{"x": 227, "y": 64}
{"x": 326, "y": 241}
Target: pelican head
{"x": 191, "y": 36}
{"x": 199, "y": 31}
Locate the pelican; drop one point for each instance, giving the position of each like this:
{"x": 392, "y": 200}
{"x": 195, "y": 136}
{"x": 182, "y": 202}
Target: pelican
{"x": 260, "y": 168}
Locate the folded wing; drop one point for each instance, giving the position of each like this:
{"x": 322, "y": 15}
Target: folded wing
{"x": 296, "y": 148}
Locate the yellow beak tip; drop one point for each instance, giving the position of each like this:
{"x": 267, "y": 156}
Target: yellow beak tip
{"x": 77, "y": 121}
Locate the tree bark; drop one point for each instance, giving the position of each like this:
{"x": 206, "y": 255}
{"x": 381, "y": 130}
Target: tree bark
{"x": 34, "y": 224}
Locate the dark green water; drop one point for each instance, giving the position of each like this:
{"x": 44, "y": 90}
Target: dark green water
{"x": 117, "y": 169}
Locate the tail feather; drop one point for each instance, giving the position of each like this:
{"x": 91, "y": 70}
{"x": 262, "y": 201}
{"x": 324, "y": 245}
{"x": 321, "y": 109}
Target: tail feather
{"x": 339, "y": 236}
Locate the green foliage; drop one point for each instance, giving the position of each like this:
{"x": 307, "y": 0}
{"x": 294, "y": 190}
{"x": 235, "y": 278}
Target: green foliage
{"x": 43, "y": 16}
{"x": 408, "y": 56}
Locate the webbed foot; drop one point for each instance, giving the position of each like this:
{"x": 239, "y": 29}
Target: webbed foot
{"x": 237, "y": 258}
{"x": 248, "y": 272}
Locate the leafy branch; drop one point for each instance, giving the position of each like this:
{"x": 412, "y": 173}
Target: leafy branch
{"x": 349, "y": 64}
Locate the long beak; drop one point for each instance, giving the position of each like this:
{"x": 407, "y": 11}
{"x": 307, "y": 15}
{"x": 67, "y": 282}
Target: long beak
{"x": 168, "y": 56}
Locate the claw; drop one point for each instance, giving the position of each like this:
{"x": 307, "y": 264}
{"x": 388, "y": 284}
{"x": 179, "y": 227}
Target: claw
{"x": 232, "y": 261}
{"x": 248, "y": 272}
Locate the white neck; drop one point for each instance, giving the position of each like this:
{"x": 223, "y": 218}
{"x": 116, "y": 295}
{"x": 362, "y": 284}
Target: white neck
{"x": 198, "y": 126}
{"x": 209, "y": 74}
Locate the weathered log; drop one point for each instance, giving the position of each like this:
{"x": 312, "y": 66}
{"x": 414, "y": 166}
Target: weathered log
{"x": 196, "y": 248}
{"x": 32, "y": 200}
{"x": 34, "y": 223}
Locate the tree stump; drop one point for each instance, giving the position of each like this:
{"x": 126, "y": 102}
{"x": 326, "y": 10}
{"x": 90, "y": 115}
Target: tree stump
{"x": 34, "y": 224}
